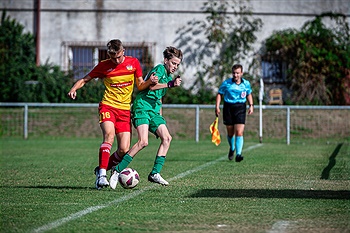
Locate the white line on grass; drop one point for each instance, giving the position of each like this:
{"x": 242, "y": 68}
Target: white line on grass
{"x": 280, "y": 227}
{"x": 91, "y": 209}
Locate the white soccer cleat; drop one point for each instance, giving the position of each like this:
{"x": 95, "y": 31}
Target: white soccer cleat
{"x": 101, "y": 180}
{"x": 156, "y": 178}
{"x": 113, "y": 181}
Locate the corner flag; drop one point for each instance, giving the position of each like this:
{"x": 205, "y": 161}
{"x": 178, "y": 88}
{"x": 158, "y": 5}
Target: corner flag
{"x": 214, "y": 130}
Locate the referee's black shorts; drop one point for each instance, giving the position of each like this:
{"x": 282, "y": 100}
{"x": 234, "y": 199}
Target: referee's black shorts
{"x": 234, "y": 113}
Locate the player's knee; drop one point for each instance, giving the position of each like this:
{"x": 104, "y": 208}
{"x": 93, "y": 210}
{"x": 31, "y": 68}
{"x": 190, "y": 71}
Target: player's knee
{"x": 142, "y": 143}
{"x": 109, "y": 138}
{"x": 122, "y": 151}
{"x": 167, "y": 139}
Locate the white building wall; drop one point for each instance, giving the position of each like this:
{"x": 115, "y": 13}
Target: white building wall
{"x": 154, "y": 21}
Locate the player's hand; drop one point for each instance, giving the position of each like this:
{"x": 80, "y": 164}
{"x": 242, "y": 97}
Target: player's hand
{"x": 177, "y": 81}
{"x": 217, "y": 112}
{"x": 72, "y": 94}
{"x": 153, "y": 78}
{"x": 250, "y": 110}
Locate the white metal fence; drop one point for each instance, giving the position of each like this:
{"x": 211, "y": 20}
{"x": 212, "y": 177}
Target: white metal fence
{"x": 184, "y": 121}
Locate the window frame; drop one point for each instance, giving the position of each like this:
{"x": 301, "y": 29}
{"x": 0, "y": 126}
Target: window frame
{"x": 274, "y": 71}
{"x": 99, "y": 53}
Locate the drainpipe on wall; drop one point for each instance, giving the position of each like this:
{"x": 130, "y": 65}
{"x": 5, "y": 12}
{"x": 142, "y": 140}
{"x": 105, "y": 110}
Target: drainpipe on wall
{"x": 37, "y": 30}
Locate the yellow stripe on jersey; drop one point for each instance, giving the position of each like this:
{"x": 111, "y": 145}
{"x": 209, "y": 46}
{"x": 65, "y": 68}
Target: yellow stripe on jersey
{"x": 118, "y": 91}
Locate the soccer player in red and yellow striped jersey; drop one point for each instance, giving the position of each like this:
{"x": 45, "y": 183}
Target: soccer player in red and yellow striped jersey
{"x": 119, "y": 73}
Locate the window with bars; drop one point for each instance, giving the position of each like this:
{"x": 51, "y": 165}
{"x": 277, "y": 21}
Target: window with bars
{"x": 274, "y": 72}
{"x": 80, "y": 58}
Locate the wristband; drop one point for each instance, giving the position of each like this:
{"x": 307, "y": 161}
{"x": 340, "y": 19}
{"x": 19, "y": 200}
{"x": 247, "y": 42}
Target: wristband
{"x": 171, "y": 84}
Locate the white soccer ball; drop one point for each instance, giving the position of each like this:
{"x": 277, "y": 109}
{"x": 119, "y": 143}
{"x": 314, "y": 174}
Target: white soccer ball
{"x": 128, "y": 178}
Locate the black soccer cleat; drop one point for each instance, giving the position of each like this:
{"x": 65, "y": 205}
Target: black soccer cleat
{"x": 230, "y": 154}
{"x": 239, "y": 158}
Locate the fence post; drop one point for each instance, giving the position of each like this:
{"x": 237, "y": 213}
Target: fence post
{"x": 25, "y": 123}
{"x": 288, "y": 125}
{"x": 197, "y": 123}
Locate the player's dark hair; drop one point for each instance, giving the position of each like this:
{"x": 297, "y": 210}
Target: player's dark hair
{"x": 115, "y": 46}
{"x": 237, "y": 66}
{"x": 171, "y": 52}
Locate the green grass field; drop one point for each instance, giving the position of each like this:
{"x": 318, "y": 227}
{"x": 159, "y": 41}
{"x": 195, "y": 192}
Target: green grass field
{"x": 48, "y": 186}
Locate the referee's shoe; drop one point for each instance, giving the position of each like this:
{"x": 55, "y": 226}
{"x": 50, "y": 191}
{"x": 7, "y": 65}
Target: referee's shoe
{"x": 230, "y": 154}
{"x": 239, "y": 158}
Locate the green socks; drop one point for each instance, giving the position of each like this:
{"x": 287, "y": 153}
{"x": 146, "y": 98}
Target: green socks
{"x": 124, "y": 163}
{"x": 157, "y": 167}
{"x": 158, "y": 164}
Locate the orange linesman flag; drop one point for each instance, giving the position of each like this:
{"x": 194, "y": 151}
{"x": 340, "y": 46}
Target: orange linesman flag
{"x": 214, "y": 130}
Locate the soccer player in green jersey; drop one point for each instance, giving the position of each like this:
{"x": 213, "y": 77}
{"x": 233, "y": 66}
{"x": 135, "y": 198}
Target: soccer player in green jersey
{"x": 147, "y": 116}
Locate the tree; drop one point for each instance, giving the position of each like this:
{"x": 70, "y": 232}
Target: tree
{"x": 17, "y": 54}
{"x": 226, "y": 36}
{"x": 317, "y": 58}
{"x": 22, "y": 81}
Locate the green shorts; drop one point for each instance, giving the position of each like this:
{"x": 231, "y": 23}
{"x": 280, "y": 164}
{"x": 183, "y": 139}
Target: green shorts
{"x": 150, "y": 118}
{"x": 147, "y": 112}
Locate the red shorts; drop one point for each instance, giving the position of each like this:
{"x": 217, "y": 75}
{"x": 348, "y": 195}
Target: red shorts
{"x": 120, "y": 118}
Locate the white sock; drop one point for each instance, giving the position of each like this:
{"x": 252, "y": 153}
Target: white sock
{"x": 102, "y": 172}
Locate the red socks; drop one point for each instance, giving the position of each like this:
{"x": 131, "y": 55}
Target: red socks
{"x": 105, "y": 151}
{"x": 114, "y": 159}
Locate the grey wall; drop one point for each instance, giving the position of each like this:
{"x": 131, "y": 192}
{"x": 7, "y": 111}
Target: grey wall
{"x": 146, "y": 21}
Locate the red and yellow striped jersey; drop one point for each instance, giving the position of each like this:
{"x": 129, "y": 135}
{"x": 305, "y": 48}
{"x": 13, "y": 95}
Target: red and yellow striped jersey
{"x": 118, "y": 80}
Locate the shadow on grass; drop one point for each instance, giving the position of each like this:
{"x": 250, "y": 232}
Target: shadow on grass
{"x": 273, "y": 193}
{"x": 50, "y": 187}
{"x": 331, "y": 163}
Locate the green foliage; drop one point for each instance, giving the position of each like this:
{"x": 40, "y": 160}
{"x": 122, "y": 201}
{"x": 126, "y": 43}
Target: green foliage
{"x": 317, "y": 57}
{"x": 48, "y": 84}
{"x": 180, "y": 95}
{"x": 17, "y": 56}
{"x": 229, "y": 32}
{"x": 92, "y": 92}
{"x": 21, "y": 80}
{"x": 177, "y": 95}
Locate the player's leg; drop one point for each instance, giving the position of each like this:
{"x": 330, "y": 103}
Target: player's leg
{"x": 123, "y": 141}
{"x": 228, "y": 113}
{"x": 123, "y": 145}
{"x": 123, "y": 135}
{"x": 239, "y": 129}
{"x": 231, "y": 140}
{"x": 239, "y": 121}
{"x": 142, "y": 142}
{"x": 115, "y": 158}
{"x": 165, "y": 137}
{"x": 108, "y": 133}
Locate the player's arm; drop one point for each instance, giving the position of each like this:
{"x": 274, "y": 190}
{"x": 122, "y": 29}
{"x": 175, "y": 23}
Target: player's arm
{"x": 251, "y": 104}
{"x": 173, "y": 83}
{"x": 79, "y": 84}
{"x": 217, "y": 104}
{"x": 142, "y": 84}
